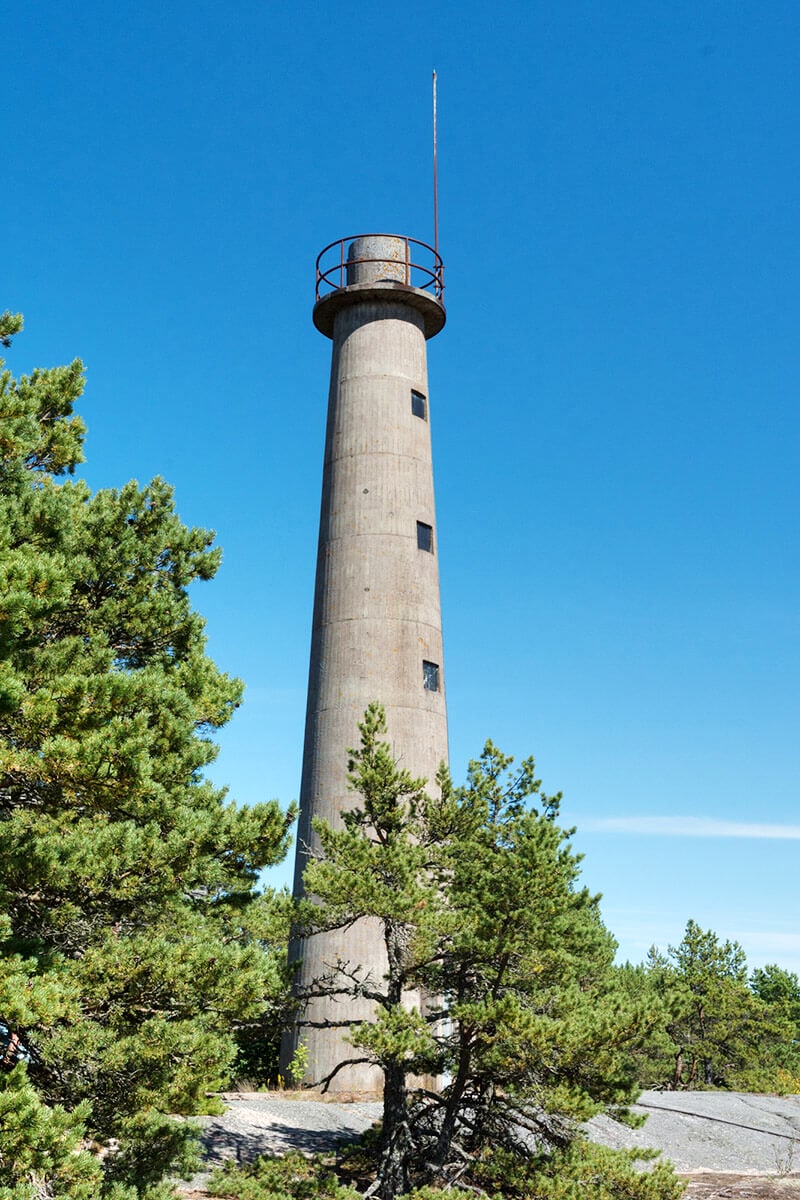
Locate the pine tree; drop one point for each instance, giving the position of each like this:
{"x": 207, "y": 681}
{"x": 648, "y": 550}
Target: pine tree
{"x": 647, "y": 984}
{"x": 131, "y": 932}
{"x": 779, "y": 990}
{"x": 774, "y": 985}
{"x": 714, "y": 1031}
{"x": 476, "y": 890}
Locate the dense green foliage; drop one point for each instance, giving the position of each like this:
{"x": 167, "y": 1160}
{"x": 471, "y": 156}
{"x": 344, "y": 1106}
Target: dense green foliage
{"x": 131, "y": 933}
{"x": 773, "y": 985}
{"x": 41, "y": 1144}
{"x": 715, "y": 1028}
{"x": 580, "y": 1170}
{"x": 476, "y": 890}
{"x": 288, "y": 1177}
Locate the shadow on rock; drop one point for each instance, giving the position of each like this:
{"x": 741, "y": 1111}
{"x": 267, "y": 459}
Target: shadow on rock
{"x": 221, "y": 1145}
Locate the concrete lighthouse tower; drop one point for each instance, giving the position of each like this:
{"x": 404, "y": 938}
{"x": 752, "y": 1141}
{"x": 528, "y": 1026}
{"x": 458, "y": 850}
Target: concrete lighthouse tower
{"x": 377, "y": 627}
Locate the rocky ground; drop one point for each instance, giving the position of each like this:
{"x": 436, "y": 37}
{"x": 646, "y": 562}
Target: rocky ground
{"x": 712, "y": 1185}
{"x": 727, "y": 1145}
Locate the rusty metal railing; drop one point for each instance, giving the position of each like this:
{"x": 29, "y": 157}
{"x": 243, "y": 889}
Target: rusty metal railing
{"x": 428, "y": 274}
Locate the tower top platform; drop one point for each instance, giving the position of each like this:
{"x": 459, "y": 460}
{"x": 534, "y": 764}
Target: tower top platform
{"x": 370, "y": 267}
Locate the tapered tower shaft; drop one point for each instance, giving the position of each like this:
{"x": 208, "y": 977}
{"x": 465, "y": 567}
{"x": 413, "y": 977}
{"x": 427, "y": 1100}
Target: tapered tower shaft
{"x": 377, "y": 628}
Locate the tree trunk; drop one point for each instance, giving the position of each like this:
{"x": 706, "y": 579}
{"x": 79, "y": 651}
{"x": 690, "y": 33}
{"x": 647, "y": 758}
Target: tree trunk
{"x": 677, "y": 1078}
{"x": 453, "y": 1104}
{"x": 393, "y": 1169}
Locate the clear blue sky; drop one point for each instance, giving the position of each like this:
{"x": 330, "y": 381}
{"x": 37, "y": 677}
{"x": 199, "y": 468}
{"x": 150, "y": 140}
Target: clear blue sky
{"x": 614, "y": 399}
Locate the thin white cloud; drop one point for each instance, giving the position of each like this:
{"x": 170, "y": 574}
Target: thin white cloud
{"x": 696, "y": 827}
{"x": 771, "y": 942}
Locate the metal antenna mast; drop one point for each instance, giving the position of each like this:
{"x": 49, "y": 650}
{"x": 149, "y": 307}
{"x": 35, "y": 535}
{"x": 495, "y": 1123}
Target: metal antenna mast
{"x": 435, "y": 176}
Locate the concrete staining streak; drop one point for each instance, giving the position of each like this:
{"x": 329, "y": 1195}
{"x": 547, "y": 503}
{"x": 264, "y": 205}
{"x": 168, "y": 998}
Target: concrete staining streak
{"x": 377, "y": 615}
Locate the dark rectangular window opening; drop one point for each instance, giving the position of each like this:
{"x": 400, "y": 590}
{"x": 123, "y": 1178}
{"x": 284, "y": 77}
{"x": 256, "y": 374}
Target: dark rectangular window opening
{"x": 430, "y": 676}
{"x": 419, "y": 405}
{"x": 424, "y": 537}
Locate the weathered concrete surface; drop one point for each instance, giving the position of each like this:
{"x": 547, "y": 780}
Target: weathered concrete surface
{"x": 377, "y": 613}
{"x": 377, "y": 258}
